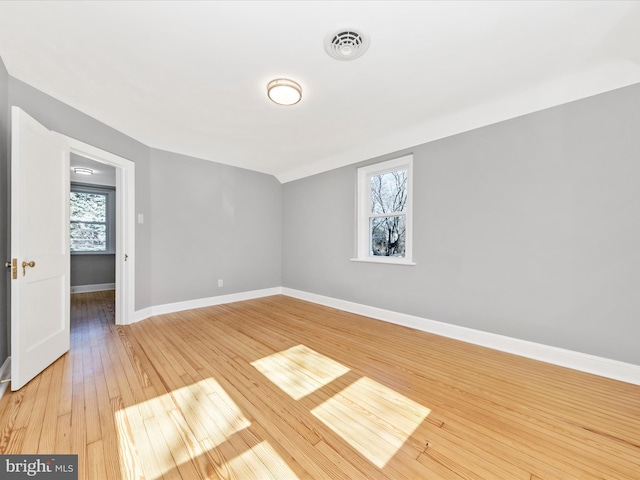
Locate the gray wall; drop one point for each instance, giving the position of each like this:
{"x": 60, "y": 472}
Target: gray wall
{"x": 88, "y": 269}
{"x": 527, "y": 228}
{"x": 4, "y": 206}
{"x": 211, "y": 221}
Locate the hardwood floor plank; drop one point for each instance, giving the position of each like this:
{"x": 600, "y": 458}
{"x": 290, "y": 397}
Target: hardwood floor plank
{"x": 193, "y": 448}
{"x": 347, "y": 466}
{"x": 62, "y": 443}
{"x": 26, "y": 405}
{"x": 46, "y": 442}
{"x": 127, "y": 453}
{"x": 95, "y": 460}
{"x": 66, "y": 386}
{"x": 282, "y": 453}
{"x": 35, "y": 426}
{"x": 109, "y": 436}
{"x": 443, "y": 443}
{"x": 10, "y": 410}
{"x": 13, "y": 443}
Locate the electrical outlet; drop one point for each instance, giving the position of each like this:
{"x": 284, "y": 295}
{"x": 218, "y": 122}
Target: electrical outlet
{"x": 220, "y": 283}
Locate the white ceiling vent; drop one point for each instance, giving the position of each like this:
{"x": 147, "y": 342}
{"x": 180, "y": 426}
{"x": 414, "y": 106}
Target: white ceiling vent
{"x": 346, "y": 43}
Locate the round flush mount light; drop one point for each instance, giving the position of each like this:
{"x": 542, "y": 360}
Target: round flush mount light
{"x": 82, "y": 171}
{"x": 346, "y": 43}
{"x": 284, "y": 91}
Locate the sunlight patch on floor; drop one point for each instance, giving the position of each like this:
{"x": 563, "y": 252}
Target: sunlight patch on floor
{"x": 299, "y": 370}
{"x": 161, "y": 433}
{"x": 372, "y": 418}
{"x": 261, "y": 461}
{"x": 128, "y": 455}
{"x": 207, "y": 404}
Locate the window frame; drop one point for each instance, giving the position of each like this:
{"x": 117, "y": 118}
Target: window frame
{"x": 363, "y": 211}
{"x": 109, "y": 192}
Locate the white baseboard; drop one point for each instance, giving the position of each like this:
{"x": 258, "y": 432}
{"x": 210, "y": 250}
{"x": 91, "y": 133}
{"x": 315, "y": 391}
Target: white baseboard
{"x": 204, "y": 302}
{"x": 98, "y": 287}
{"x": 142, "y": 314}
{"x": 5, "y": 373}
{"x": 604, "y": 367}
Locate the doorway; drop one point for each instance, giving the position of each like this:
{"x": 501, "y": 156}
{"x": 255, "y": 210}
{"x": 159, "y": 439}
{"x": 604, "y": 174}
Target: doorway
{"x": 92, "y": 242}
{"x": 124, "y": 225}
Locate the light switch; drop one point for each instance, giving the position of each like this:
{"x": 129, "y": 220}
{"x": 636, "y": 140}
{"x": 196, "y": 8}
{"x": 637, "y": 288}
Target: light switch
{"x": 140, "y": 218}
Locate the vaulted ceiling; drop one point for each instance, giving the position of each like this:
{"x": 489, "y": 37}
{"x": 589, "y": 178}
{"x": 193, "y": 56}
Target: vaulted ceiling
{"x": 190, "y": 77}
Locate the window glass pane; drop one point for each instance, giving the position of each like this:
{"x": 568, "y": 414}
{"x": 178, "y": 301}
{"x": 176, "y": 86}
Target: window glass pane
{"x": 88, "y": 237}
{"x": 88, "y": 207}
{"x": 388, "y": 236}
{"x": 389, "y": 192}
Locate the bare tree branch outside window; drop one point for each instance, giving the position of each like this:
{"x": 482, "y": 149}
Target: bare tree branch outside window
{"x": 387, "y": 219}
{"x": 88, "y": 215}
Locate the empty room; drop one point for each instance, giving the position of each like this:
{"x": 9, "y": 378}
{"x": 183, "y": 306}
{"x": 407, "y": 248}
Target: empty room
{"x": 320, "y": 240}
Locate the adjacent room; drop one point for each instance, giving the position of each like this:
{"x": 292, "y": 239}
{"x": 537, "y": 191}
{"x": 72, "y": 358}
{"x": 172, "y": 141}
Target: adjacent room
{"x": 92, "y": 220}
{"x": 311, "y": 240}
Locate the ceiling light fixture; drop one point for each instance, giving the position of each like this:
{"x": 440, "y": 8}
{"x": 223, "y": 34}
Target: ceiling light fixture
{"x": 82, "y": 171}
{"x": 284, "y": 92}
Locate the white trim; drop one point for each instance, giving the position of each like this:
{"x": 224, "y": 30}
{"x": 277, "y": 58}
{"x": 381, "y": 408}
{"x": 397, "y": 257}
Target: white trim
{"x": 143, "y": 314}
{"x": 205, "y": 302}
{"x": 363, "y": 210}
{"x": 5, "y": 373}
{"x": 388, "y": 260}
{"x": 125, "y": 225}
{"x": 605, "y": 367}
{"x": 96, "y": 287}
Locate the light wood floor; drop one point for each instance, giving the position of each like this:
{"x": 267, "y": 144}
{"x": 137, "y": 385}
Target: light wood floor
{"x": 279, "y": 388}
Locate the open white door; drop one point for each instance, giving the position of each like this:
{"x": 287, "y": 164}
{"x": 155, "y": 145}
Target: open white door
{"x": 40, "y": 326}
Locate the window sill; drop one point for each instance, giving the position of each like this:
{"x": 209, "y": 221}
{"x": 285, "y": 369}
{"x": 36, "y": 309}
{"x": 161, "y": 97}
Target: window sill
{"x": 383, "y": 260}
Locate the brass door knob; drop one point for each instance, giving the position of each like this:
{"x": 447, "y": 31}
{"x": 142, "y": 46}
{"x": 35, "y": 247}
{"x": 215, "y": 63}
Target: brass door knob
{"x": 27, "y": 264}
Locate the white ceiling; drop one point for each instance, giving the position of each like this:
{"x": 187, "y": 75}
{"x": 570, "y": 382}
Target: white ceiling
{"x": 190, "y": 77}
{"x": 102, "y": 174}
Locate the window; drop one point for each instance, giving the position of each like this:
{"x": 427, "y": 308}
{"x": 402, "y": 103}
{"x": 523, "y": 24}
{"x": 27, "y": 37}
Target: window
{"x": 91, "y": 215}
{"x": 384, "y": 212}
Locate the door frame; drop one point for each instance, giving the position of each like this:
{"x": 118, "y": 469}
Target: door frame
{"x": 125, "y": 225}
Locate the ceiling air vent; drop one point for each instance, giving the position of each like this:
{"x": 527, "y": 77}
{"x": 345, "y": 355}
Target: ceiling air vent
{"x": 346, "y": 44}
